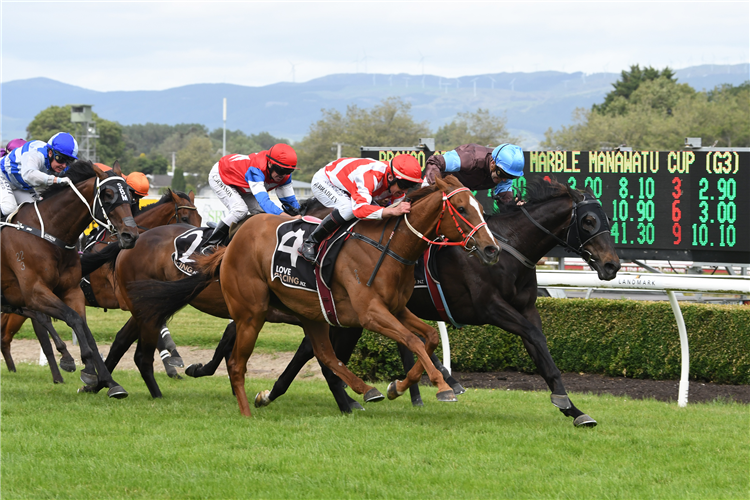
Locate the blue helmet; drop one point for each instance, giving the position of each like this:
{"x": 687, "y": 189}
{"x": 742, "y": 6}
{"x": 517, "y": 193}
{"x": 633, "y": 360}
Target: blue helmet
{"x": 65, "y": 144}
{"x": 509, "y": 157}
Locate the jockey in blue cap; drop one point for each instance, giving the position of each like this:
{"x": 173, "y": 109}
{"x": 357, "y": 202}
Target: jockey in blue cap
{"x": 33, "y": 166}
{"x": 479, "y": 167}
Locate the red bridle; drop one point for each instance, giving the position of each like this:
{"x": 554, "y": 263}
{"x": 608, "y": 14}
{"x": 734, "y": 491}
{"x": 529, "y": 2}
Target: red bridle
{"x": 453, "y": 212}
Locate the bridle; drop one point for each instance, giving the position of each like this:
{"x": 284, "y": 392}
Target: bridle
{"x": 176, "y": 215}
{"x": 100, "y": 209}
{"x": 589, "y": 206}
{"x": 453, "y": 213}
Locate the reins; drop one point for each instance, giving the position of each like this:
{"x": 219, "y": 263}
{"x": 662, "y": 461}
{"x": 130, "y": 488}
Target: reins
{"x": 453, "y": 213}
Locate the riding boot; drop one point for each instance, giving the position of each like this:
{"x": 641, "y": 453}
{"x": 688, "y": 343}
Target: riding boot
{"x": 309, "y": 248}
{"x": 219, "y": 235}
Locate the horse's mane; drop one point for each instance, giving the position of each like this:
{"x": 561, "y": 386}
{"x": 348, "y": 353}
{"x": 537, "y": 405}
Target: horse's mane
{"x": 309, "y": 205}
{"x": 77, "y": 172}
{"x": 420, "y": 193}
{"x": 165, "y": 198}
{"x": 537, "y": 191}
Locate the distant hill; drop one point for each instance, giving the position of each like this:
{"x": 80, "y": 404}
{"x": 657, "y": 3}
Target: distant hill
{"x": 532, "y": 102}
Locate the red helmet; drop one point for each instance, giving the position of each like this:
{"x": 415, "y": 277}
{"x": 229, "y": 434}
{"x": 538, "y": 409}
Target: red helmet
{"x": 407, "y": 168}
{"x": 282, "y": 155}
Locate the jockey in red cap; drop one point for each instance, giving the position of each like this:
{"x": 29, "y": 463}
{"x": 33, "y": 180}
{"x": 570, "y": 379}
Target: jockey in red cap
{"x": 360, "y": 187}
{"x": 242, "y": 183}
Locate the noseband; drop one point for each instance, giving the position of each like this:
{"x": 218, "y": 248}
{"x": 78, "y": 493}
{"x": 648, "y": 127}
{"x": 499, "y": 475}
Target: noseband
{"x": 453, "y": 212}
{"x": 588, "y": 206}
{"x": 99, "y": 210}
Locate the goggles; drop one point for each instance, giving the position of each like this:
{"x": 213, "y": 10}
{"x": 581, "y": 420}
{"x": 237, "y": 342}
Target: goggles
{"x": 61, "y": 158}
{"x": 281, "y": 170}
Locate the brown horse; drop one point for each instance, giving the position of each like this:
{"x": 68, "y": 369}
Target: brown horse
{"x": 173, "y": 207}
{"x": 44, "y": 276}
{"x": 446, "y": 209}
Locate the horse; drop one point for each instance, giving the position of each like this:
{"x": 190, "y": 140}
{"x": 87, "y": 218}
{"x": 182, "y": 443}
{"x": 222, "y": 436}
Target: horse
{"x": 98, "y": 288}
{"x": 44, "y": 276}
{"x": 444, "y": 210}
{"x": 503, "y": 295}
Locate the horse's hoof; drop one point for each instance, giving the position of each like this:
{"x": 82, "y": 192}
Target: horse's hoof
{"x": 373, "y": 396}
{"x": 88, "y": 378}
{"x": 174, "y": 375}
{"x": 191, "y": 371}
{"x": 458, "y": 389}
{"x": 562, "y": 401}
{"x": 261, "y": 399}
{"x": 87, "y": 388}
{"x": 417, "y": 401}
{"x": 117, "y": 392}
{"x": 392, "y": 392}
{"x": 353, "y": 405}
{"x": 175, "y": 361}
{"x": 584, "y": 421}
{"x": 68, "y": 365}
{"x": 447, "y": 396}
{"x": 58, "y": 381}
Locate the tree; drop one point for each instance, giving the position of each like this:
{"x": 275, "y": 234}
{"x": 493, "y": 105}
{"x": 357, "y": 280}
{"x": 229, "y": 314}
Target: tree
{"x": 197, "y": 158}
{"x": 659, "y": 115}
{"x": 389, "y": 123}
{"x": 628, "y": 83}
{"x": 479, "y": 127}
{"x": 110, "y": 145}
{"x": 178, "y": 180}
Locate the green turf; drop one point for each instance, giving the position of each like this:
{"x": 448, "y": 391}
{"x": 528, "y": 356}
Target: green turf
{"x": 491, "y": 444}
{"x": 189, "y": 327}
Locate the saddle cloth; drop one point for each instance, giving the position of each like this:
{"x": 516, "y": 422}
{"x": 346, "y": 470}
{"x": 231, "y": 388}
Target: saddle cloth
{"x": 295, "y": 272}
{"x": 186, "y": 244}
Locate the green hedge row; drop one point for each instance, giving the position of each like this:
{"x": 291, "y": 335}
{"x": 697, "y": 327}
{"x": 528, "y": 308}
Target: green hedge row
{"x": 629, "y": 338}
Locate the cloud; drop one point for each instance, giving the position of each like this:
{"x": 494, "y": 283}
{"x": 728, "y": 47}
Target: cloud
{"x": 158, "y": 45}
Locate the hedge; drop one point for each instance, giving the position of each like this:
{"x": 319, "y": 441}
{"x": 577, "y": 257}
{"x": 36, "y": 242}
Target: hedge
{"x": 628, "y": 338}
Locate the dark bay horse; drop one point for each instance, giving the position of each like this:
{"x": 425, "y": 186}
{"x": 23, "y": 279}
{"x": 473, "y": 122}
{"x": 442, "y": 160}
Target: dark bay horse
{"x": 171, "y": 208}
{"x": 446, "y": 209}
{"x": 41, "y": 270}
{"x": 503, "y": 295}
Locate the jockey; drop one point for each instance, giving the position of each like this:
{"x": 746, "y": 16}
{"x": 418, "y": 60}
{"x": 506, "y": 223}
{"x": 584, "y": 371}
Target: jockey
{"x": 351, "y": 185}
{"x": 139, "y": 186}
{"x": 242, "y": 183}
{"x": 479, "y": 167}
{"x": 13, "y": 144}
{"x": 32, "y": 166}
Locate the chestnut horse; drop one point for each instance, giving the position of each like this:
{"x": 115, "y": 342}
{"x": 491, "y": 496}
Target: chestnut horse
{"x": 446, "y": 209}
{"x": 44, "y": 276}
{"x": 172, "y": 207}
{"x": 503, "y": 295}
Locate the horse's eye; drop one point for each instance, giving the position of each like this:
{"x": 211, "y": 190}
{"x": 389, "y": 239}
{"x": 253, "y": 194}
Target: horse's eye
{"x": 461, "y": 210}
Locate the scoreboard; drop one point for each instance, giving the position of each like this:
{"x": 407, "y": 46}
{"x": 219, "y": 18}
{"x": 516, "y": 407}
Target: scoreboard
{"x": 689, "y": 205}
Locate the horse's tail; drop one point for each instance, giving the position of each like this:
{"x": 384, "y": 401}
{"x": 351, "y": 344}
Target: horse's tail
{"x": 157, "y": 301}
{"x": 91, "y": 261}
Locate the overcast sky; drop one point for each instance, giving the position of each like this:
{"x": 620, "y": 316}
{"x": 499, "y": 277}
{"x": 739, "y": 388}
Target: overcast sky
{"x": 109, "y": 45}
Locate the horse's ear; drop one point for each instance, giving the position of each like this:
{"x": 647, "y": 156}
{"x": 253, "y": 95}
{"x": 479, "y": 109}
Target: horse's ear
{"x": 440, "y": 183}
{"x": 98, "y": 171}
{"x": 116, "y": 168}
{"x": 191, "y": 195}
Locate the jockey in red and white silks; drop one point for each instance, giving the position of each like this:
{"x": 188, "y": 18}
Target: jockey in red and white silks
{"x": 360, "y": 187}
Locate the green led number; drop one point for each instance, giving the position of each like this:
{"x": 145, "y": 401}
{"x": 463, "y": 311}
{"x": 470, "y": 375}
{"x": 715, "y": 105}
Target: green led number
{"x": 595, "y": 183}
{"x": 728, "y": 188}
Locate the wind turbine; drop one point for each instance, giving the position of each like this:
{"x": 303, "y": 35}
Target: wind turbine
{"x": 493, "y": 81}
{"x": 421, "y": 61}
{"x": 407, "y": 81}
{"x": 474, "y": 81}
{"x": 294, "y": 65}
{"x": 390, "y": 80}
{"x": 511, "y": 85}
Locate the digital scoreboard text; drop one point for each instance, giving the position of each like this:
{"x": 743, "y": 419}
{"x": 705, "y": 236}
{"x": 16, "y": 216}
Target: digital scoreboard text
{"x": 664, "y": 205}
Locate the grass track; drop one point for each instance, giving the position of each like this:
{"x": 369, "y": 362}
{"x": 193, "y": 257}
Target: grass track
{"x": 492, "y": 444}
{"x": 189, "y": 327}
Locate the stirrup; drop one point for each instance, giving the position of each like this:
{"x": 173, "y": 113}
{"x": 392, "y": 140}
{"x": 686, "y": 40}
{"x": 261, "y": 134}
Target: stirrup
{"x": 305, "y": 254}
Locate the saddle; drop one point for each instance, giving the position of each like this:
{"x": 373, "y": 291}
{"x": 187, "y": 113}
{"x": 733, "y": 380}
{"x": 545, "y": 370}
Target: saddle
{"x": 426, "y": 276}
